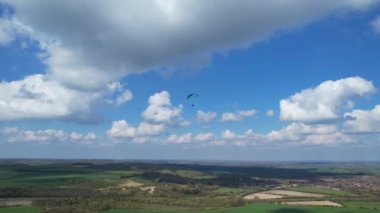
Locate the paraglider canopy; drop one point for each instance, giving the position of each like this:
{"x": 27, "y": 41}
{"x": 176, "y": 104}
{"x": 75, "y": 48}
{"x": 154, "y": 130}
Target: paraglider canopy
{"x": 192, "y": 95}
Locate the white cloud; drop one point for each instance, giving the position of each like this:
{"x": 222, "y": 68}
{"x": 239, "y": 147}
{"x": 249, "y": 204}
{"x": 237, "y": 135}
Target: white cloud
{"x": 229, "y": 116}
{"x": 76, "y": 136}
{"x": 41, "y": 135}
{"x": 328, "y": 139}
{"x": 6, "y": 31}
{"x": 180, "y": 139}
{"x": 124, "y": 97}
{"x": 251, "y": 137}
{"x": 15, "y": 135}
{"x": 160, "y": 110}
{"x": 9, "y": 130}
{"x": 205, "y": 137}
{"x": 121, "y": 129}
{"x": 375, "y": 24}
{"x": 228, "y": 134}
{"x": 147, "y": 129}
{"x": 158, "y": 116}
{"x": 141, "y": 139}
{"x": 205, "y": 117}
{"x": 85, "y": 46}
{"x": 325, "y": 101}
{"x": 122, "y": 94}
{"x": 363, "y": 121}
{"x": 44, "y": 95}
{"x": 90, "y": 137}
{"x": 247, "y": 138}
{"x": 270, "y": 113}
{"x": 11, "y": 28}
{"x": 301, "y": 133}
{"x": 67, "y": 67}
{"x": 185, "y": 37}
{"x": 238, "y": 116}
{"x": 247, "y": 113}
{"x": 38, "y": 97}
{"x": 296, "y": 131}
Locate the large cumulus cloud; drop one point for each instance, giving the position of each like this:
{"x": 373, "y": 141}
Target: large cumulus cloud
{"x": 326, "y": 101}
{"x": 89, "y": 44}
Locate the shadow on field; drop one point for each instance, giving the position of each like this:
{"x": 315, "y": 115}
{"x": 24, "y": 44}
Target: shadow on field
{"x": 289, "y": 210}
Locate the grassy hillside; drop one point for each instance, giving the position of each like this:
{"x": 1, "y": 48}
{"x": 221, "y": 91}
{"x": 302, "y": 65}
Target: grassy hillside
{"x": 88, "y": 187}
{"x": 266, "y": 208}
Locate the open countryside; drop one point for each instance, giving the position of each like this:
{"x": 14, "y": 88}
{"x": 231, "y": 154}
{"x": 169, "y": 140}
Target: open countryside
{"x": 189, "y": 106}
{"x": 135, "y": 186}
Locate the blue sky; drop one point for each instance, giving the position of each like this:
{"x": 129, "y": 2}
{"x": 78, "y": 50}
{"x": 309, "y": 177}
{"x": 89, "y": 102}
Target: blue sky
{"x": 291, "y": 81}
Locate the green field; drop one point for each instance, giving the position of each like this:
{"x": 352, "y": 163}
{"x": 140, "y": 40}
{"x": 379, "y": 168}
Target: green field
{"x": 19, "y": 210}
{"x": 89, "y": 187}
{"x": 351, "y": 207}
{"x": 57, "y": 175}
{"x": 266, "y": 208}
{"x": 363, "y": 205}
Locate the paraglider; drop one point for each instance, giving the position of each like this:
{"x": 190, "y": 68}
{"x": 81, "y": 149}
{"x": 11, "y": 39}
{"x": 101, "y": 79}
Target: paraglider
{"x": 192, "y": 95}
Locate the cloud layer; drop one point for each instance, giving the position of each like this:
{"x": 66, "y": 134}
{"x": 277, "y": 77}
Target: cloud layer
{"x": 121, "y": 36}
{"x": 309, "y": 110}
{"x": 88, "y": 45}
{"x": 16, "y": 135}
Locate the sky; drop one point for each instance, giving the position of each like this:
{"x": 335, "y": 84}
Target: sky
{"x": 275, "y": 80}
